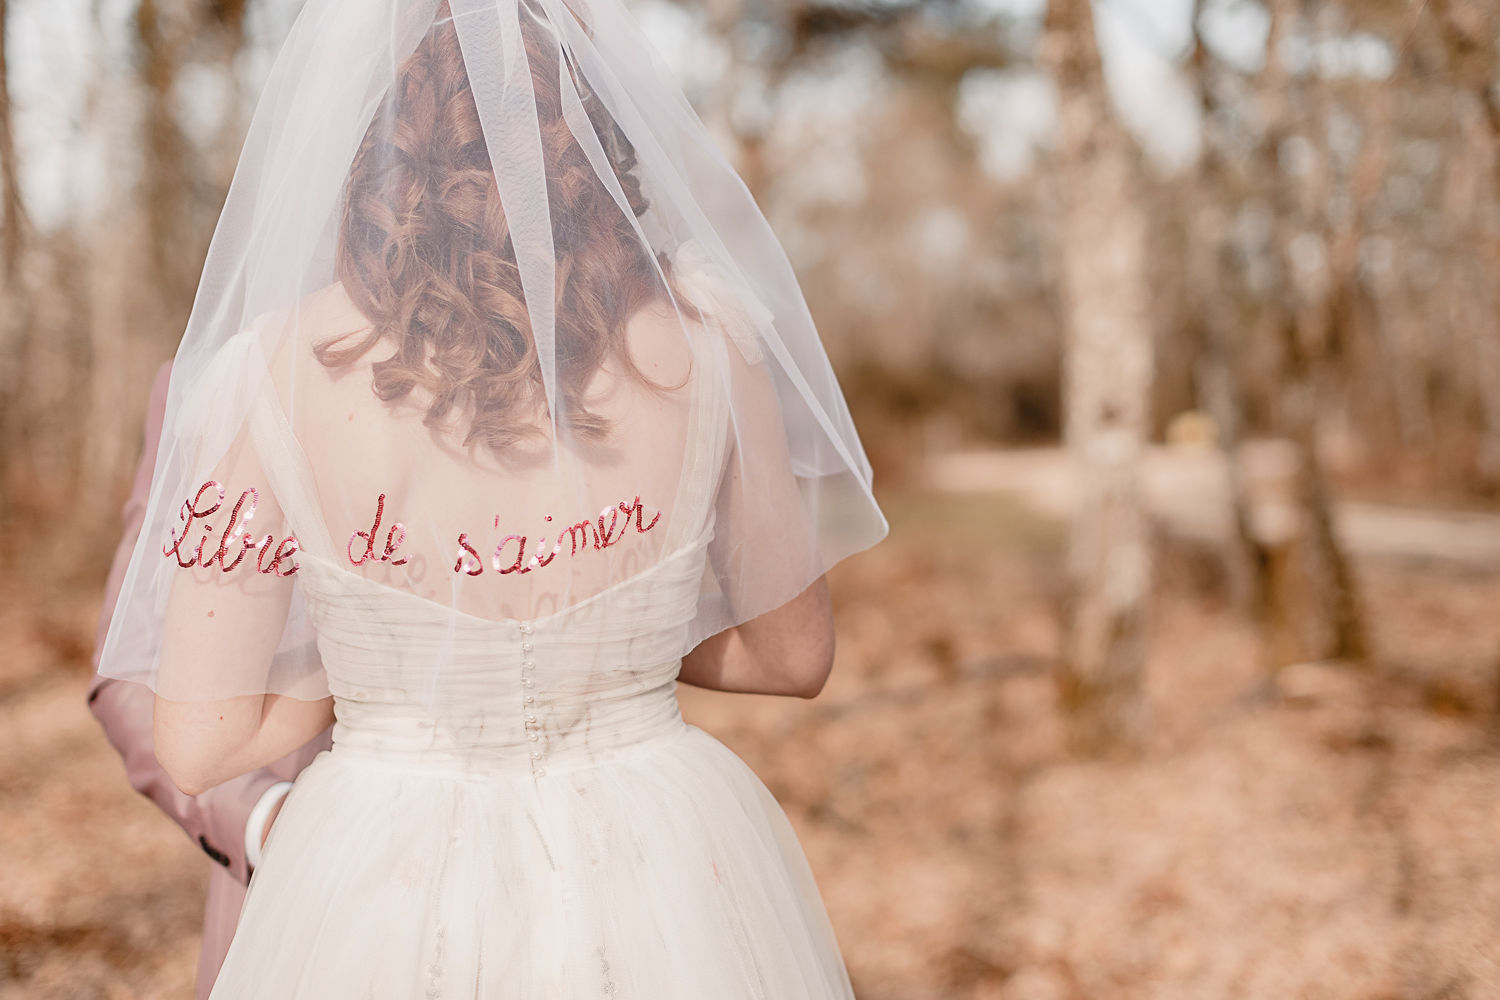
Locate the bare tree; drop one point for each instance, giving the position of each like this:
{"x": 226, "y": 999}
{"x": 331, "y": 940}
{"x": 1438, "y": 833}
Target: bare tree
{"x": 162, "y": 32}
{"x": 141, "y": 268}
{"x": 1108, "y": 372}
{"x": 10, "y": 187}
{"x": 1313, "y": 606}
{"x": 13, "y": 293}
{"x": 1470, "y": 33}
{"x": 1214, "y": 313}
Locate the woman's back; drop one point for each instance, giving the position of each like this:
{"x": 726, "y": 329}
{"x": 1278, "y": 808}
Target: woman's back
{"x": 499, "y": 409}
{"x": 534, "y": 818}
{"x": 530, "y": 517}
{"x": 513, "y": 802}
{"x": 566, "y": 638}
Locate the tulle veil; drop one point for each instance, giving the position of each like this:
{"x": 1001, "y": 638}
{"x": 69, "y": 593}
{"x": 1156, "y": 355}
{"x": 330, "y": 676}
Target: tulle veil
{"x": 479, "y": 280}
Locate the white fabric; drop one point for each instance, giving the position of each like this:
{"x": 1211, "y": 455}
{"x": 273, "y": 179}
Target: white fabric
{"x": 511, "y": 200}
{"x": 255, "y": 823}
{"x": 648, "y": 862}
{"x": 498, "y": 397}
{"x": 557, "y": 831}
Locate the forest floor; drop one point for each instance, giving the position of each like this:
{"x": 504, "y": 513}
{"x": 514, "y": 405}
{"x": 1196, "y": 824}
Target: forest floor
{"x": 1334, "y": 833}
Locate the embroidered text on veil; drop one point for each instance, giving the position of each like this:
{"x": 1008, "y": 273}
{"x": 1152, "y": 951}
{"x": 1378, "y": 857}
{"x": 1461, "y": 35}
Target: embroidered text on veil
{"x": 273, "y": 556}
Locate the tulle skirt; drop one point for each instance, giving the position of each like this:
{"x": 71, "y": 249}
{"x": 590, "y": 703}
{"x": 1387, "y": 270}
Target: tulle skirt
{"x": 664, "y": 871}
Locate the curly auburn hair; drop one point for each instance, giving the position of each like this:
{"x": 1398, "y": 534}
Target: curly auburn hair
{"x": 425, "y": 251}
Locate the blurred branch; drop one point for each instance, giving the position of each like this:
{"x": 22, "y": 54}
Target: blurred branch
{"x": 916, "y": 38}
{"x": 229, "y": 16}
{"x": 10, "y": 182}
{"x": 1469, "y": 32}
{"x": 166, "y": 172}
{"x": 179, "y": 184}
{"x": 14, "y": 316}
{"x": 904, "y": 36}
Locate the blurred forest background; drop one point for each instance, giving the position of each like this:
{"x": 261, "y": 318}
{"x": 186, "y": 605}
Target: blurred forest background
{"x": 1173, "y": 330}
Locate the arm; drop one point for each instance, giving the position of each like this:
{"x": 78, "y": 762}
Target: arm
{"x": 228, "y": 699}
{"x": 220, "y": 631}
{"x": 216, "y": 819}
{"x": 204, "y": 743}
{"x": 788, "y": 651}
{"x": 766, "y": 548}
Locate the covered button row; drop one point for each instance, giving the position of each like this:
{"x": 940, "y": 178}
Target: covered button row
{"x": 528, "y": 698}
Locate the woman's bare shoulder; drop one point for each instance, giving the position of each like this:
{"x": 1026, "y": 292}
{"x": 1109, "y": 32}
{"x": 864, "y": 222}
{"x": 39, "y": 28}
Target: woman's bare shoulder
{"x": 322, "y": 317}
{"x": 659, "y": 338}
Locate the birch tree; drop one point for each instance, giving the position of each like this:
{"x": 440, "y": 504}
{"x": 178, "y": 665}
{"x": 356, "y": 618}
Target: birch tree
{"x": 1108, "y": 365}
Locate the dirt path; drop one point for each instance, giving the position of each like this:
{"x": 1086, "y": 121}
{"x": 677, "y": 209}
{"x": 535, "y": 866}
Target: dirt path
{"x": 1188, "y": 492}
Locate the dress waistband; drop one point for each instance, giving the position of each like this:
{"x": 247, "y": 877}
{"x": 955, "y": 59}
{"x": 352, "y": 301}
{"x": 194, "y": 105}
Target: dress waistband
{"x": 487, "y": 741}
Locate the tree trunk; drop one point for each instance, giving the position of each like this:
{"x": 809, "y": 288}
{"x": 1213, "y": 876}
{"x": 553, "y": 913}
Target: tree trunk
{"x": 1313, "y": 607}
{"x": 1216, "y": 312}
{"x": 13, "y": 292}
{"x": 168, "y": 177}
{"x": 1469, "y": 36}
{"x": 1108, "y": 367}
{"x": 10, "y": 186}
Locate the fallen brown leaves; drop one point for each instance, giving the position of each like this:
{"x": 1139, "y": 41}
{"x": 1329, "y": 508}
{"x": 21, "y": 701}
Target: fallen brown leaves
{"x": 1336, "y": 834}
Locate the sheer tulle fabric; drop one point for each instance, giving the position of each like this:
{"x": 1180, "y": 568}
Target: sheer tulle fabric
{"x": 498, "y": 397}
{"x": 473, "y": 263}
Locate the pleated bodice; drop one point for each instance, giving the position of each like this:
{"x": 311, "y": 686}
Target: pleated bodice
{"x": 508, "y": 697}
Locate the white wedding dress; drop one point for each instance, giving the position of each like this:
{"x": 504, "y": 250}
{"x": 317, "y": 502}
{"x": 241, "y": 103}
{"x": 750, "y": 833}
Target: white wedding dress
{"x": 554, "y": 832}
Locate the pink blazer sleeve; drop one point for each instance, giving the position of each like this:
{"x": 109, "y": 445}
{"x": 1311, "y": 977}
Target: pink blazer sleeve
{"x": 215, "y": 820}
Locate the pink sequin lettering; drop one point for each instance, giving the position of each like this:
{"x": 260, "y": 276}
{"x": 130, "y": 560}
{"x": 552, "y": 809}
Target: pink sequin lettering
{"x": 393, "y": 539}
{"x": 537, "y": 559}
{"x": 235, "y": 542}
{"x": 191, "y": 511}
{"x": 236, "y": 530}
{"x": 285, "y": 550}
{"x": 584, "y": 528}
{"x": 466, "y": 553}
{"x": 639, "y": 510}
{"x": 607, "y": 536}
{"x": 609, "y": 528}
{"x": 498, "y": 560}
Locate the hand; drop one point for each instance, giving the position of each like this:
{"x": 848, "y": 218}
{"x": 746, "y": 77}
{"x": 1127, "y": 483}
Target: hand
{"x": 265, "y": 831}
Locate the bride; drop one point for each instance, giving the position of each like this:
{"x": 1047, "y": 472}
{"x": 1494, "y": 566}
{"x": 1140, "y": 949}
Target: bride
{"x": 499, "y": 413}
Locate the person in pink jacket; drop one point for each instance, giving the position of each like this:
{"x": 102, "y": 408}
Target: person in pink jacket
{"x": 229, "y": 822}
